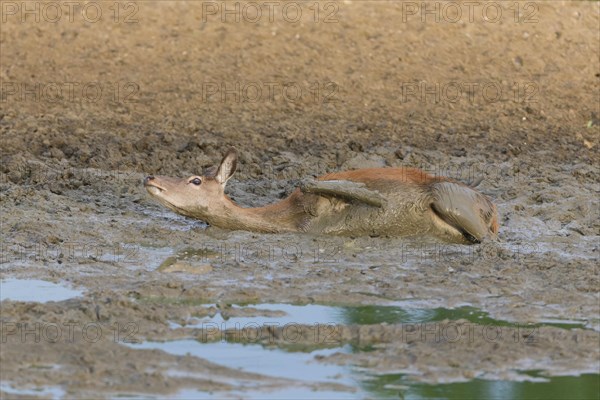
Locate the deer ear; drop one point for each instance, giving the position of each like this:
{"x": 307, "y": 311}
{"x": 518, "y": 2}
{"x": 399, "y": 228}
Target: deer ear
{"x": 227, "y": 166}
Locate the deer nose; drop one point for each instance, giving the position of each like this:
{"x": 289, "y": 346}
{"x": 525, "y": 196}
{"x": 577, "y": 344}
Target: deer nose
{"x": 148, "y": 179}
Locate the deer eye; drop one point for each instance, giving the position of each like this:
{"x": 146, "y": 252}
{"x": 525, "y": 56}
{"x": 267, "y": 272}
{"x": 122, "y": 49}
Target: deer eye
{"x": 196, "y": 181}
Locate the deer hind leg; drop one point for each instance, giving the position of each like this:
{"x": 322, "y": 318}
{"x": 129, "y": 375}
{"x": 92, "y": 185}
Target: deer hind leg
{"x": 345, "y": 190}
{"x": 463, "y": 213}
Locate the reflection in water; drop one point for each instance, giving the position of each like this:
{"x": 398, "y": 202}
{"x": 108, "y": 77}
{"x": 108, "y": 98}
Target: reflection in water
{"x": 367, "y": 315}
{"x": 298, "y": 366}
{"x": 303, "y": 368}
{"x": 306, "y": 370}
{"x": 35, "y": 290}
{"x": 561, "y": 387}
{"x": 311, "y": 314}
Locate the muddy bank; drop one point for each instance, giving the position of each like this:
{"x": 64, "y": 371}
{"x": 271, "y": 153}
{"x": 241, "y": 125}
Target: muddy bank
{"x": 378, "y": 88}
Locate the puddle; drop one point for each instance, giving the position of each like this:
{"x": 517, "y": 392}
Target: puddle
{"x": 45, "y": 392}
{"x": 284, "y": 314}
{"x": 35, "y": 290}
{"x": 311, "y": 314}
{"x": 291, "y": 393}
{"x": 303, "y": 368}
{"x": 559, "y": 387}
{"x": 257, "y": 359}
{"x": 288, "y": 393}
{"x": 582, "y": 387}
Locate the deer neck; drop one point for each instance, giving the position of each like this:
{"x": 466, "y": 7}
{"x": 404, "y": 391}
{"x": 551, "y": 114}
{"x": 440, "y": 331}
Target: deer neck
{"x": 278, "y": 217}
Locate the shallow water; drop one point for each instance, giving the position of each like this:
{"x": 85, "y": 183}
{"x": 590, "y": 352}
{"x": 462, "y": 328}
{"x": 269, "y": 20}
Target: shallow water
{"x": 46, "y": 392}
{"x": 559, "y": 387}
{"x": 361, "y": 383}
{"x": 35, "y": 290}
{"x": 311, "y": 314}
{"x": 256, "y": 359}
{"x": 306, "y": 369}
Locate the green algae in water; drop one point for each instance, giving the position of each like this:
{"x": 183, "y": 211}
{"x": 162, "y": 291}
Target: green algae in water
{"x": 256, "y": 357}
{"x": 396, "y": 386}
{"x": 189, "y": 254}
{"x": 370, "y": 315}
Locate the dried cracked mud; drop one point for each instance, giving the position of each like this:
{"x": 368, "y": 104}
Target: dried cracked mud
{"x": 89, "y": 107}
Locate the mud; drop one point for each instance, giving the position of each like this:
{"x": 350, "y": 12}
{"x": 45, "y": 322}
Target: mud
{"x": 91, "y": 107}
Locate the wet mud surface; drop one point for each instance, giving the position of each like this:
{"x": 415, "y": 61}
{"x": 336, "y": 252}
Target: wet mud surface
{"x": 378, "y": 87}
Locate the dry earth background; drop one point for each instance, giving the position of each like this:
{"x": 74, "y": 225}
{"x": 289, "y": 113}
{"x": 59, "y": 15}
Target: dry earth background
{"x": 111, "y": 92}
